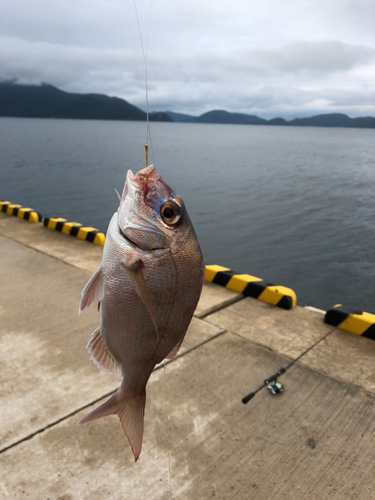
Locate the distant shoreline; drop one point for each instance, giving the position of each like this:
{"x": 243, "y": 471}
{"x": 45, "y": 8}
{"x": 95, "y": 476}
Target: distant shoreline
{"x": 179, "y": 123}
{"x": 47, "y": 101}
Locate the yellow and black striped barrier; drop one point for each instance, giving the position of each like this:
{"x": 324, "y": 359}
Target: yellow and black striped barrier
{"x": 250, "y": 286}
{"x": 75, "y": 229}
{"x": 360, "y": 323}
{"x": 19, "y": 211}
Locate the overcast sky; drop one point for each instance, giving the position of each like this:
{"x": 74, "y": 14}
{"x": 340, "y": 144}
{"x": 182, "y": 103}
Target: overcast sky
{"x": 267, "y": 57}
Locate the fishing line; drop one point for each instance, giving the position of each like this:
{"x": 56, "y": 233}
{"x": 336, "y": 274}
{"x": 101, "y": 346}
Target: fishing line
{"x": 282, "y": 370}
{"x": 168, "y": 442}
{"x": 149, "y": 139}
{"x": 145, "y": 53}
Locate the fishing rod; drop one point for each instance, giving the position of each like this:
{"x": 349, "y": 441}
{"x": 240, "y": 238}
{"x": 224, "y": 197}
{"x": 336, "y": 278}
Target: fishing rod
{"x": 277, "y": 386}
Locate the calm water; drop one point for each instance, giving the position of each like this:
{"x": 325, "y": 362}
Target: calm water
{"x": 294, "y": 206}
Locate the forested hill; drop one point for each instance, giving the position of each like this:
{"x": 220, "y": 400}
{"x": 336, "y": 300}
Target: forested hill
{"x": 326, "y": 120}
{"x": 46, "y": 101}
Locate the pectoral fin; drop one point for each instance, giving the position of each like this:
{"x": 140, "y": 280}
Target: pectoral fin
{"x": 133, "y": 268}
{"x": 94, "y": 290}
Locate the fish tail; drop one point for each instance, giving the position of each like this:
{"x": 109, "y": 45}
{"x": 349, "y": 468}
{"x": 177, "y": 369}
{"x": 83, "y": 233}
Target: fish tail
{"x": 131, "y": 411}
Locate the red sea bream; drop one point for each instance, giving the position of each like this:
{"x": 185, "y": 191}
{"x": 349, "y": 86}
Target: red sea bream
{"x": 147, "y": 286}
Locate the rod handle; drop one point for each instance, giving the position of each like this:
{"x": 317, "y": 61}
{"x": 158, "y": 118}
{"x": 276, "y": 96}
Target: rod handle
{"x": 247, "y": 398}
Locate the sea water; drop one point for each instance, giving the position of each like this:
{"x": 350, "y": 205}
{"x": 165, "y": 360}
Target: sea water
{"x": 292, "y": 205}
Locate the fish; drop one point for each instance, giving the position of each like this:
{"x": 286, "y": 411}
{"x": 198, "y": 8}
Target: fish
{"x": 147, "y": 288}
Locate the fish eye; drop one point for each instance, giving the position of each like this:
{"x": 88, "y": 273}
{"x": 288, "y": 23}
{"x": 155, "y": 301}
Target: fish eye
{"x": 170, "y": 213}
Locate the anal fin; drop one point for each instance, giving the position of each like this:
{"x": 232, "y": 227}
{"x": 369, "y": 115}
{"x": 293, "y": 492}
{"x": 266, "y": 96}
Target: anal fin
{"x": 102, "y": 357}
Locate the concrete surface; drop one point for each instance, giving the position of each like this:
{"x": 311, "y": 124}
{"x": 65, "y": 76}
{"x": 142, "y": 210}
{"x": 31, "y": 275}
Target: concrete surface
{"x": 315, "y": 441}
{"x": 311, "y": 442}
{"x": 214, "y": 298}
{"x": 68, "y": 249}
{"x": 86, "y": 256}
{"x": 343, "y": 355}
{"x": 43, "y": 342}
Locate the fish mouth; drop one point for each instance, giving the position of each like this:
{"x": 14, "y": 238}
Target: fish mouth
{"x": 144, "y": 180}
{"x": 144, "y": 175}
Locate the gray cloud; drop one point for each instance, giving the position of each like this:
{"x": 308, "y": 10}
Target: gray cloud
{"x": 269, "y": 58}
{"x": 316, "y": 57}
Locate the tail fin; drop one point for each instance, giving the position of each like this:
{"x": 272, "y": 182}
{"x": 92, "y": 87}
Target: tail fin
{"x": 131, "y": 412}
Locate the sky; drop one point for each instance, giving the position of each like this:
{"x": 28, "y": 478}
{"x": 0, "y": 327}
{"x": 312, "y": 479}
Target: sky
{"x": 288, "y": 58}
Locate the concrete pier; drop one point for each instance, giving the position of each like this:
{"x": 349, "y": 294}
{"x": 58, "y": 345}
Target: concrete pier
{"x": 315, "y": 441}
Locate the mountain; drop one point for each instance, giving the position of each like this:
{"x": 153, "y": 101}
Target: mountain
{"x": 277, "y": 121}
{"x": 218, "y": 116}
{"x": 327, "y": 120}
{"x": 363, "y": 122}
{"x": 159, "y": 116}
{"x": 47, "y": 101}
{"x": 334, "y": 120}
{"x": 180, "y": 117}
{"x": 221, "y": 116}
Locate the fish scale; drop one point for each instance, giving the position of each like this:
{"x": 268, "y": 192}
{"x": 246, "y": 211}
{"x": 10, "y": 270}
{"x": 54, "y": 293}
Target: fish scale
{"x": 148, "y": 286}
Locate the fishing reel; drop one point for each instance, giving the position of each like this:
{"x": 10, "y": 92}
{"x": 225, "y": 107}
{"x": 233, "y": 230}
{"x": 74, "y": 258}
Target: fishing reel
{"x": 276, "y": 387}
